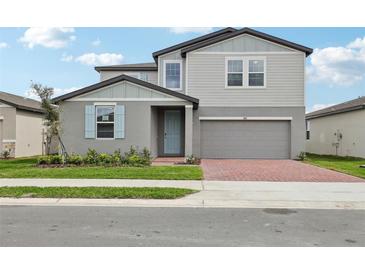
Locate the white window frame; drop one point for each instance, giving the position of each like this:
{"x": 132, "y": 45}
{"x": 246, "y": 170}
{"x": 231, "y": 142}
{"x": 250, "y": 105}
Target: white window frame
{"x": 96, "y": 105}
{"x": 255, "y": 58}
{"x": 245, "y": 81}
{"x": 235, "y": 58}
{"x": 164, "y": 73}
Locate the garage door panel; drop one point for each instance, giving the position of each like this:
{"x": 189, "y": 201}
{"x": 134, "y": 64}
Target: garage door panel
{"x": 245, "y": 139}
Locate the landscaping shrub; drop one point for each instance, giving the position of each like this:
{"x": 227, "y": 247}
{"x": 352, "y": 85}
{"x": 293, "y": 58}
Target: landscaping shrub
{"x": 301, "y": 156}
{"x": 192, "y": 160}
{"x": 75, "y": 159}
{"x": 43, "y": 160}
{"x": 92, "y": 157}
{"x": 6, "y": 154}
{"x": 117, "y": 157}
{"x": 133, "y": 158}
{"x": 104, "y": 158}
{"x": 55, "y": 159}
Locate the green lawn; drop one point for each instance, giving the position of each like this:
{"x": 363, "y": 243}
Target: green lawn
{"x": 348, "y": 165}
{"x": 96, "y": 192}
{"x": 25, "y": 168}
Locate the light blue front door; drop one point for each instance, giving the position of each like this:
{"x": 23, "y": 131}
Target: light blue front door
{"x": 172, "y": 138}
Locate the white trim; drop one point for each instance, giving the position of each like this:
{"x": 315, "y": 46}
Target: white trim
{"x": 96, "y": 120}
{"x": 266, "y": 106}
{"x": 126, "y": 100}
{"x": 164, "y": 73}
{"x": 188, "y": 106}
{"x": 240, "y": 118}
{"x": 243, "y": 52}
{"x": 234, "y": 58}
{"x": 6, "y": 106}
{"x": 245, "y": 34}
{"x": 253, "y": 58}
{"x": 1, "y": 117}
{"x": 104, "y": 103}
{"x": 186, "y": 73}
{"x": 9, "y": 141}
{"x": 158, "y": 71}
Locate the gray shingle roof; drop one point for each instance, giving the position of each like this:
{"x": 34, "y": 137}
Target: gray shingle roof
{"x": 20, "y": 102}
{"x": 352, "y": 105}
{"x": 129, "y": 67}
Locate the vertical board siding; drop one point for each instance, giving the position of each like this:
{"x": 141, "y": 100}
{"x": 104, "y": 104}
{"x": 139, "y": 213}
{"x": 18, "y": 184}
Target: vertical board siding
{"x": 89, "y": 121}
{"x": 119, "y": 122}
{"x": 284, "y": 81}
{"x": 124, "y": 90}
{"x": 245, "y": 43}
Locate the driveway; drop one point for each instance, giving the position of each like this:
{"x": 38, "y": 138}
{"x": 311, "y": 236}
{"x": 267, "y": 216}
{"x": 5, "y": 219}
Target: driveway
{"x": 270, "y": 170}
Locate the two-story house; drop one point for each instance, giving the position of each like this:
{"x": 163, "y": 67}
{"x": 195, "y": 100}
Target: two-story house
{"x": 228, "y": 94}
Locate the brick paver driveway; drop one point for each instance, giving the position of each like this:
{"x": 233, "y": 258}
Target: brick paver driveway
{"x": 270, "y": 170}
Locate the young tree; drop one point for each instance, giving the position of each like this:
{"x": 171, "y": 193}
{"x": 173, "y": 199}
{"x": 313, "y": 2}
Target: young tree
{"x": 51, "y": 115}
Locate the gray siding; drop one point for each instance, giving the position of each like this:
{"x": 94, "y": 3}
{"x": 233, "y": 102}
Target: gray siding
{"x": 171, "y": 56}
{"x": 246, "y": 139}
{"x": 9, "y": 122}
{"x": 284, "y": 81}
{"x": 245, "y": 43}
{"x": 297, "y": 124}
{"x": 152, "y": 75}
{"x": 138, "y": 127}
{"x": 125, "y": 90}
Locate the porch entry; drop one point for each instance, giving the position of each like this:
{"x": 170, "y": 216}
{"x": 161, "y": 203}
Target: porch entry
{"x": 172, "y": 132}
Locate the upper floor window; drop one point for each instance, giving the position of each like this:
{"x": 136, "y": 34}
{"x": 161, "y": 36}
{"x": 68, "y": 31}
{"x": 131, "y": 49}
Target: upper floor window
{"x": 105, "y": 122}
{"x": 143, "y": 76}
{"x": 245, "y": 72}
{"x": 234, "y": 73}
{"x": 173, "y": 75}
{"x": 256, "y": 73}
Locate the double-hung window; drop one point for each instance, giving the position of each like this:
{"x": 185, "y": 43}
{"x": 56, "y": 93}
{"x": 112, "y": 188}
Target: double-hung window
{"x": 105, "y": 122}
{"x": 234, "y": 72}
{"x": 245, "y": 72}
{"x": 173, "y": 75}
{"x": 256, "y": 73}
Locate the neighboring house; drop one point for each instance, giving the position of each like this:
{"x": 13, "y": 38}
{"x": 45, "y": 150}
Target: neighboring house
{"x": 228, "y": 94}
{"x": 338, "y": 130}
{"x": 21, "y": 126}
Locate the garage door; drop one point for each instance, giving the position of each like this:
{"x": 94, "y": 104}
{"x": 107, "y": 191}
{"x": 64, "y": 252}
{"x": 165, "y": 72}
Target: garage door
{"x": 245, "y": 139}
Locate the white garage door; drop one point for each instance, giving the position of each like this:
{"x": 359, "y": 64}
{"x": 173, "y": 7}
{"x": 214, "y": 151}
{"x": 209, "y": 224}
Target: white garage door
{"x": 245, "y": 139}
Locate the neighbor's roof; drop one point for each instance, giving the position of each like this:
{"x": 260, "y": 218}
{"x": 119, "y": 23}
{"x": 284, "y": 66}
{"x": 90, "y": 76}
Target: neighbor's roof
{"x": 129, "y": 67}
{"x": 352, "y": 105}
{"x": 20, "y": 102}
{"x": 206, "y": 37}
{"x": 249, "y": 31}
{"x": 121, "y": 78}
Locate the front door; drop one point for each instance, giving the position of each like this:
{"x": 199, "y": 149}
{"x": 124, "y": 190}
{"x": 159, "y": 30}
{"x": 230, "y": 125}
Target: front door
{"x": 172, "y": 136}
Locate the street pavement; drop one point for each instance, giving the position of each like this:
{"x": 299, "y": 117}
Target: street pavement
{"x": 133, "y": 226}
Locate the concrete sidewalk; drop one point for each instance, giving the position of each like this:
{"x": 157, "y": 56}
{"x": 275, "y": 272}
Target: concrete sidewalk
{"x": 212, "y": 194}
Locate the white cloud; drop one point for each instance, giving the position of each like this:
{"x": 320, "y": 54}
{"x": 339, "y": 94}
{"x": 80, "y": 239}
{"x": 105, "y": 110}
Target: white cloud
{"x": 3, "y": 45}
{"x": 96, "y": 42}
{"x": 48, "y": 37}
{"x": 180, "y": 30}
{"x": 103, "y": 59}
{"x": 57, "y": 92}
{"x": 342, "y": 66}
{"x": 66, "y": 58}
{"x": 320, "y": 106}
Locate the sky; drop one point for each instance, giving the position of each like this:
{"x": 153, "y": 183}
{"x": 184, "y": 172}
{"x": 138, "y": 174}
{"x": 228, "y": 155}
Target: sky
{"x": 64, "y": 58}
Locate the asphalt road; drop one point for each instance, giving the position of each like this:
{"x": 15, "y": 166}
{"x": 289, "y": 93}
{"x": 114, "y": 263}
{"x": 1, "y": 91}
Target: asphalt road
{"x": 122, "y": 226}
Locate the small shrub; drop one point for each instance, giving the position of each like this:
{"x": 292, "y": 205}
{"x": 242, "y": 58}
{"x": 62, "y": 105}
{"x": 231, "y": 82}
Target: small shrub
{"x": 133, "y": 158}
{"x": 192, "y": 160}
{"x": 92, "y": 157}
{"x": 74, "y": 159}
{"x": 301, "y": 156}
{"x": 116, "y": 157}
{"x": 56, "y": 159}
{"x": 6, "y": 154}
{"x": 146, "y": 157}
{"x": 104, "y": 158}
{"x": 43, "y": 160}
